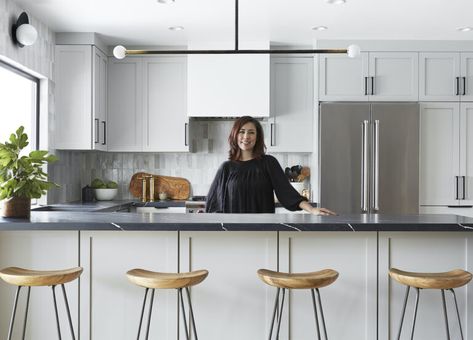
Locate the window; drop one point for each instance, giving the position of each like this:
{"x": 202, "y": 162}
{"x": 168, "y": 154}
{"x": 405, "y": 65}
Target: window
{"x": 19, "y": 104}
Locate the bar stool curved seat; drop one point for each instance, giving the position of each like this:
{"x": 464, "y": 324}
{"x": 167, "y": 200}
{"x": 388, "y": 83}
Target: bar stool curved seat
{"x": 441, "y": 280}
{"x": 149, "y": 279}
{"x": 22, "y": 277}
{"x": 311, "y": 280}
{"x": 156, "y": 280}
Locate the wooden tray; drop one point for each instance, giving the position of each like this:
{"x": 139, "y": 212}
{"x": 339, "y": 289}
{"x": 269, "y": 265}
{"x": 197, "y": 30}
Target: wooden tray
{"x": 176, "y": 188}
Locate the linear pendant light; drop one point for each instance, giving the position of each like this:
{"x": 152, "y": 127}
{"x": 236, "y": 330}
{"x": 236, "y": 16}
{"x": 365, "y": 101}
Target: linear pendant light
{"x": 353, "y": 51}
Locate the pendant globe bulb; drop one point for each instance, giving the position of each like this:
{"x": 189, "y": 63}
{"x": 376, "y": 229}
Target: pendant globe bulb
{"x": 119, "y": 52}
{"x": 353, "y": 51}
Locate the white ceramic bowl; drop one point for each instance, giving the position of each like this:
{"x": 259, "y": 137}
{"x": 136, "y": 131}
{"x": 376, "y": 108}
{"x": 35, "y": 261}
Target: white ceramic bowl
{"x": 105, "y": 194}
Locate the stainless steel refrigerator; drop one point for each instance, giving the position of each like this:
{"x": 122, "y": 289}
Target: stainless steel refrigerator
{"x": 369, "y": 157}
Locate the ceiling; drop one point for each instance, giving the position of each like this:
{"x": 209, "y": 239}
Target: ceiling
{"x": 289, "y": 22}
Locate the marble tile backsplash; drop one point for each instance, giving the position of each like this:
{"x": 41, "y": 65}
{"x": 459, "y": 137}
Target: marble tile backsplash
{"x": 209, "y": 148}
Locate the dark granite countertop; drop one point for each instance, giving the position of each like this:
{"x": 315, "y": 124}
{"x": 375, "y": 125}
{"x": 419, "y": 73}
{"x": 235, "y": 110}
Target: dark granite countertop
{"x": 80, "y": 220}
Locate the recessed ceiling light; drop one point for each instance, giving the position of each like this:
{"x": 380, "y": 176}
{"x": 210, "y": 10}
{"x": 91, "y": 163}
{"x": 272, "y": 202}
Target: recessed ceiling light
{"x": 176, "y": 28}
{"x": 320, "y": 28}
{"x": 465, "y": 29}
{"x": 336, "y": 2}
{"x": 165, "y": 1}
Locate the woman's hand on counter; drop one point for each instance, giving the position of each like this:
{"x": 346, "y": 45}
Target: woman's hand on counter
{"x": 315, "y": 211}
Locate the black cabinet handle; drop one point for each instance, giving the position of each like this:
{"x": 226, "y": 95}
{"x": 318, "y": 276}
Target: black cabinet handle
{"x": 97, "y": 132}
{"x": 366, "y": 86}
{"x": 104, "y": 124}
{"x": 464, "y": 85}
{"x": 372, "y": 85}
{"x": 457, "y": 90}
{"x": 185, "y": 134}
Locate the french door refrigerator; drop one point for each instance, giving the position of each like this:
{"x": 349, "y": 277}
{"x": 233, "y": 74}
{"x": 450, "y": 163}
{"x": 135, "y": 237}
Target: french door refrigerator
{"x": 369, "y": 157}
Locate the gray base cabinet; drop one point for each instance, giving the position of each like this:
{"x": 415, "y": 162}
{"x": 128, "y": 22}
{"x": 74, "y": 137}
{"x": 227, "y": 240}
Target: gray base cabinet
{"x": 232, "y": 303}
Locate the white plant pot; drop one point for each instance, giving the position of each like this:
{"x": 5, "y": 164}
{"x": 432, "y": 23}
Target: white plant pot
{"x": 105, "y": 194}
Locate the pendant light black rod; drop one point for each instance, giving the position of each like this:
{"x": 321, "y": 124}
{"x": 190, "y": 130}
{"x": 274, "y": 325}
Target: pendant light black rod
{"x": 236, "y": 25}
{"x": 327, "y": 51}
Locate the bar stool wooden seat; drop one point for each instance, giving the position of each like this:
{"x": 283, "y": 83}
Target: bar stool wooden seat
{"x": 34, "y": 278}
{"x": 442, "y": 280}
{"x": 312, "y": 281}
{"x": 156, "y": 280}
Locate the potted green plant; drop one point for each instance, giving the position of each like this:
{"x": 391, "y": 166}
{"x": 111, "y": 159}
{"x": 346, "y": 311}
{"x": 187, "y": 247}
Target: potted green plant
{"x": 21, "y": 177}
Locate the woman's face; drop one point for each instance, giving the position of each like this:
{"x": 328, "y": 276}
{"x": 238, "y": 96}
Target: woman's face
{"x": 247, "y": 137}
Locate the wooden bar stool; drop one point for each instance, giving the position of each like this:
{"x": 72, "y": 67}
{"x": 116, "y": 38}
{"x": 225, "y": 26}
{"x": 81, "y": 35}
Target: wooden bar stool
{"x": 28, "y": 278}
{"x": 443, "y": 281}
{"x": 312, "y": 281}
{"x": 155, "y": 280}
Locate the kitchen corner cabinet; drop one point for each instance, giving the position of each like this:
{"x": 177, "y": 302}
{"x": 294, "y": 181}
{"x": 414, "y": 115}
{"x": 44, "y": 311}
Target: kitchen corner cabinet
{"x": 446, "y": 154}
{"x": 373, "y": 76}
{"x": 148, "y": 104}
{"x": 290, "y": 126}
{"x": 81, "y": 98}
{"x": 446, "y": 76}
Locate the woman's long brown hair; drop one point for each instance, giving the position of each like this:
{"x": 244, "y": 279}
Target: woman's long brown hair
{"x": 235, "y": 151}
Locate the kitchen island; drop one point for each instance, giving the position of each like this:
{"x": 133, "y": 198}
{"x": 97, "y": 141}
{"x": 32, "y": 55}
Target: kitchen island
{"x": 232, "y": 303}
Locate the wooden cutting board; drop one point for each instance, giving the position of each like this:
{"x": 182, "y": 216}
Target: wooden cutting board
{"x": 176, "y": 188}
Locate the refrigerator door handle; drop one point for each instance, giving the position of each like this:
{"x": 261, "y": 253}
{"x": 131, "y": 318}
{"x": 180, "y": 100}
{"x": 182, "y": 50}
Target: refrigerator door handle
{"x": 364, "y": 166}
{"x": 376, "y": 166}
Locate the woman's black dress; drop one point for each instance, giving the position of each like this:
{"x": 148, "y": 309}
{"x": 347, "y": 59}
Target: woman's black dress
{"x": 247, "y": 187}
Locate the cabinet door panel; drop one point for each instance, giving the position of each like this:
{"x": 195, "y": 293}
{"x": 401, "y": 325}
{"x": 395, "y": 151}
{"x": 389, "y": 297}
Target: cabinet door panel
{"x": 466, "y": 150}
{"x": 351, "y": 298}
{"x": 423, "y": 252}
{"x": 292, "y": 105}
{"x": 439, "y": 153}
{"x": 438, "y": 76}
{"x": 124, "y": 105}
{"x": 343, "y": 78}
{"x": 467, "y": 76}
{"x": 395, "y": 76}
{"x": 110, "y": 304}
{"x": 73, "y": 129}
{"x": 99, "y": 100}
{"x": 242, "y": 303}
{"x": 41, "y": 250}
{"x": 165, "y": 104}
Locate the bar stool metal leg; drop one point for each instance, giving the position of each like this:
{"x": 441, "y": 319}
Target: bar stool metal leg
{"x": 57, "y": 314}
{"x": 280, "y": 313}
{"x": 415, "y": 312}
{"x": 192, "y": 320}
{"x": 403, "y": 312}
{"x": 26, "y": 311}
{"x": 322, "y": 313}
{"x": 315, "y": 313}
{"x": 142, "y": 314}
{"x": 68, "y": 312}
{"x": 458, "y": 313}
{"x": 149, "y": 314}
{"x": 274, "y": 313}
{"x": 445, "y": 313}
{"x": 179, "y": 292}
{"x": 12, "y": 320}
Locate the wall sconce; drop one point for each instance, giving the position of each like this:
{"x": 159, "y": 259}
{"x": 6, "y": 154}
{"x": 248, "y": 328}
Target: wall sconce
{"x": 23, "y": 33}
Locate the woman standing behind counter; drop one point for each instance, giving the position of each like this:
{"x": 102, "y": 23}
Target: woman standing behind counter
{"x": 245, "y": 183}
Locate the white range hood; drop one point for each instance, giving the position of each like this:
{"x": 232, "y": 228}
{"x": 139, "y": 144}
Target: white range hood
{"x": 228, "y": 85}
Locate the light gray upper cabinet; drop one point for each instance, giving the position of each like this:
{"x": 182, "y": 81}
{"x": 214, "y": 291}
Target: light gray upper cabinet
{"x": 446, "y": 154}
{"x": 373, "y": 76}
{"x": 290, "y": 128}
{"x": 125, "y": 104}
{"x": 166, "y": 123}
{"x": 446, "y": 76}
{"x": 148, "y": 104}
{"x": 81, "y": 98}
